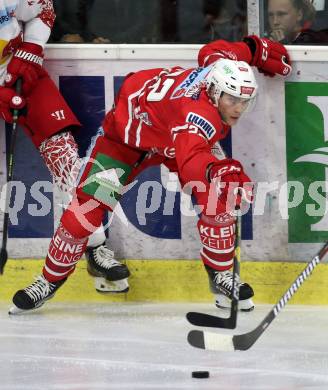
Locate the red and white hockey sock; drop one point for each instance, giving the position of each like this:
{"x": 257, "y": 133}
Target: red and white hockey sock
{"x": 70, "y": 240}
{"x": 63, "y": 254}
{"x": 218, "y": 240}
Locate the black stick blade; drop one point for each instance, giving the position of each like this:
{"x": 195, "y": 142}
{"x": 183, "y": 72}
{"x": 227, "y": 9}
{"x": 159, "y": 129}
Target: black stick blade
{"x": 202, "y": 319}
{"x": 196, "y": 339}
{"x": 3, "y": 259}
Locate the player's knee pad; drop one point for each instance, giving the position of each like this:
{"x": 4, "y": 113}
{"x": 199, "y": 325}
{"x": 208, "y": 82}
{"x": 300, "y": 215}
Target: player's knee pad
{"x": 60, "y": 154}
{"x": 218, "y": 240}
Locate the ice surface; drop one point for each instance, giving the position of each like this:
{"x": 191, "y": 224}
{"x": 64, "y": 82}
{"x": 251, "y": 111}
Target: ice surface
{"x": 143, "y": 346}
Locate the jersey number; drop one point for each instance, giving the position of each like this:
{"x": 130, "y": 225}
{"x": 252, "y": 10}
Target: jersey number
{"x": 159, "y": 90}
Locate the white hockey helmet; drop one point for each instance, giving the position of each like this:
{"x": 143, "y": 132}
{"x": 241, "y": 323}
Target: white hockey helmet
{"x": 233, "y": 77}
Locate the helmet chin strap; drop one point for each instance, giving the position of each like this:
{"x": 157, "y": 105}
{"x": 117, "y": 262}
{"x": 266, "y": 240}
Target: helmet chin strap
{"x": 214, "y": 100}
{"x": 224, "y": 119}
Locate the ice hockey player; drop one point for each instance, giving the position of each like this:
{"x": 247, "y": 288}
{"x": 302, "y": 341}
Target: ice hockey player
{"x": 47, "y": 119}
{"x": 170, "y": 116}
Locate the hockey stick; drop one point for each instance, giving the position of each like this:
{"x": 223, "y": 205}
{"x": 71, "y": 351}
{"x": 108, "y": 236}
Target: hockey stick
{"x": 202, "y": 319}
{"x": 242, "y": 342}
{"x": 10, "y": 171}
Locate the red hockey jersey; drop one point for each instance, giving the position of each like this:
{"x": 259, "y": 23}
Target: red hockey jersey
{"x": 168, "y": 111}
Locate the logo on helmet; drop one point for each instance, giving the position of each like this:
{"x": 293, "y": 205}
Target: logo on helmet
{"x": 247, "y": 90}
{"x": 227, "y": 69}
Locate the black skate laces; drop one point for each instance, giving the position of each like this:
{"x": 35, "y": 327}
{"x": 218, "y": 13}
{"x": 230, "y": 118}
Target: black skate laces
{"x": 105, "y": 257}
{"x": 39, "y": 289}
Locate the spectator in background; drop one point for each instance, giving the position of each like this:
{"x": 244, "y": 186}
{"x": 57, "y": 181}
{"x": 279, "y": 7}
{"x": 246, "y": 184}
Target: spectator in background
{"x": 72, "y": 23}
{"x": 225, "y": 19}
{"x": 311, "y": 37}
{"x": 288, "y": 18}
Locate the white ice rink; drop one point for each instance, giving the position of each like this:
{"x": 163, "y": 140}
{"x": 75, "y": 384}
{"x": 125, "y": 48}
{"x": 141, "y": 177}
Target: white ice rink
{"x": 143, "y": 346}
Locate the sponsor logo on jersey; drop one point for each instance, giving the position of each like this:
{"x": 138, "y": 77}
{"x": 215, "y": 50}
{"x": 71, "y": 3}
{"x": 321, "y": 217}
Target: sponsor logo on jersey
{"x": 191, "y": 78}
{"x": 194, "y": 91}
{"x": 242, "y": 69}
{"x": 247, "y": 90}
{"x": 203, "y": 124}
{"x": 191, "y": 84}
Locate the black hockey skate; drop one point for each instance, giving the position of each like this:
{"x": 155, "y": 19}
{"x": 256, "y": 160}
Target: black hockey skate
{"x": 110, "y": 275}
{"x": 221, "y": 286}
{"x": 35, "y": 295}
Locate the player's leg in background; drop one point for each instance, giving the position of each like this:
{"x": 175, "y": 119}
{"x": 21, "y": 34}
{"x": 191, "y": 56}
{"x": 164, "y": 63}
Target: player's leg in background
{"x": 66, "y": 248}
{"x": 53, "y": 124}
{"x": 96, "y": 193}
{"x": 60, "y": 154}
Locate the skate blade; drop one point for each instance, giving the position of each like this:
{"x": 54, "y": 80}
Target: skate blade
{"x": 105, "y": 286}
{"x": 14, "y": 310}
{"x": 113, "y": 291}
{"x": 246, "y": 305}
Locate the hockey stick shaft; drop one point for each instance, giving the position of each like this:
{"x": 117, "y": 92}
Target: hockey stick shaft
{"x": 10, "y": 172}
{"x": 221, "y": 342}
{"x": 244, "y": 343}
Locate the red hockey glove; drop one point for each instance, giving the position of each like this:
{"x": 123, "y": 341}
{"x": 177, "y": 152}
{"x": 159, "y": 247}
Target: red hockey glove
{"x": 269, "y": 57}
{"x": 9, "y": 100}
{"x": 229, "y": 172}
{"x": 26, "y": 64}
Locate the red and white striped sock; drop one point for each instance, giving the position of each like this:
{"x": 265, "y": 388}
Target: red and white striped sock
{"x": 63, "y": 254}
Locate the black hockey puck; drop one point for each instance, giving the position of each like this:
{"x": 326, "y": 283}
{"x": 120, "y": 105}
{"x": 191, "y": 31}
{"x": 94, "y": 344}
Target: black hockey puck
{"x": 200, "y": 374}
